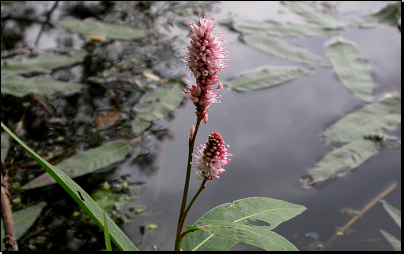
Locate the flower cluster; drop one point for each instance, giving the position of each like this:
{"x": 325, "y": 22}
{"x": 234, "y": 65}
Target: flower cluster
{"x": 211, "y": 158}
{"x": 205, "y": 58}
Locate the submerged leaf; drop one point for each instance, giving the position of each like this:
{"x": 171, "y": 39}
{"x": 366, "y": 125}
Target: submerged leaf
{"x": 280, "y": 29}
{"x": 230, "y": 222}
{"x": 367, "y": 121}
{"x": 389, "y": 15}
{"x": 314, "y": 15}
{"x": 19, "y": 86}
{"x": 283, "y": 49}
{"x": 90, "y": 27}
{"x": 352, "y": 68}
{"x": 22, "y": 220}
{"x": 158, "y": 104}
{"x": 86, "y": 162}
{"x": 343, "y": 159}
{"x": 5, "y": 145}
{"x": 266, "y": 78}
{"x": 394, "y": 242}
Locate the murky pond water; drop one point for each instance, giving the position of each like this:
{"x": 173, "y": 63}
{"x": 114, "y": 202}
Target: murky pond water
{"x": 273, "y": 133}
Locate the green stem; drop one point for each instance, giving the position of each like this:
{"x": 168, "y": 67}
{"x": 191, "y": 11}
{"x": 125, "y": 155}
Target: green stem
{"x": 181, "y": 218}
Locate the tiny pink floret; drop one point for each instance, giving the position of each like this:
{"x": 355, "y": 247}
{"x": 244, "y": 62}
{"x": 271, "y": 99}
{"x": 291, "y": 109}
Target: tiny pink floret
{"x": 205, "y": 58}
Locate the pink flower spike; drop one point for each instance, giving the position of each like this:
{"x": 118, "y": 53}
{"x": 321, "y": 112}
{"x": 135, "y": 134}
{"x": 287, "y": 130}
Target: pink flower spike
{"x": 211, "y": 158}
{"x": 205, "y": 58}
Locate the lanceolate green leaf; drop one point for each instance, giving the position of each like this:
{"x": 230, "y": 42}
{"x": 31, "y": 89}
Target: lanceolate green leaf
{"x": 389, "y": 15}
{"x": 394, "y": 242}
{"x": 231, "y": 221}
{"x": 280, "y": 29}
{"x": 5, "y": 145}
{"x": 93, "y": 27}
{"x": 394, "y": 213}
{"x": 158, "y": 104}
{"x": 19, "y": 86}
{"x": 86, "y": 162}
{"x": 343, "y": 159}
{"x": 369, "y": 120}
{"x": 38, "y": 64}
{"x": 22, "y": 220}
{"x": 283, "y": 49}
{"x": 266, "y": 78}
{"x": 314, "y": 15}
{"x": 81, "y": 197}
{"x": 352, "y": 68}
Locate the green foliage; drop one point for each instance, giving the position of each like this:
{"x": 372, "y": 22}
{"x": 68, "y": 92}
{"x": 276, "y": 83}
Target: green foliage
{"x": 228, "y": 224}
{"x": 90, "y": 27}
{"x": 352, "y": 68}
{"x": 22, "y": 220}
{"x": 314, "y": 15}
{"x": 283, "y": 49}
{"x": 395, "y": 214}
{"x": 343, "y": 159}
{"x": 280, "y": 29}
{"x": 20, "y": 86}
{"x": 370, "y": 120}
{"x": 389, "y": 15}
{"x": 86, "y": 162}
{"x": 106, "y": 232}
{"x": 266, "y": 78}
{"x": 80, "y": 196}
{"x": 158, "y": 104}
{"x": 5, "y": 145}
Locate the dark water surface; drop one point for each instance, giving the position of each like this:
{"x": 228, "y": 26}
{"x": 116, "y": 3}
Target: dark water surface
{"x": 274, "y": 135}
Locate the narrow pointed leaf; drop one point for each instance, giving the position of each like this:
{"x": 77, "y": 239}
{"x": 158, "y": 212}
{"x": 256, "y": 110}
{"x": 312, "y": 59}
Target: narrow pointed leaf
{"x": 158, "y": 104}
{"x": 106, "y": 232}
{"x": 39, "y": 64}
{"x": 80, "y": 196}
{"x": 19, "y": 86}
{"x": 84, "y": 163}
{"x": 352, "y": 68}
{"x": 266, "y": 78}
{"x": 394, "y": 242}
{"x": 389, "y": 15}
{"x": 280, "y": 29}
{"x": 369, "y": 120}
{"x": 22, "y": 220}
{"x": 314, "y": 15}
{"x": 283, "y": 49}
{"x": 343, "y": 159}
{"x": 267, "y": 210}
{"x": 394, "y": 213}
{"x": 5, "y": 145}
{"x": 90, "y": 27}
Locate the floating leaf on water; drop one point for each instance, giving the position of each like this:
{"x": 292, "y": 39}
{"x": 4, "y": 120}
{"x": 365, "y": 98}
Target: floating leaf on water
{"x": 352, "y": 68}
{"x": 86, "y": 162}
{"x": 343, "y": 159}
{"x": 283, "y": 49}
{"x": 266, "y": 78}
{"x": 151, "y": 76}
{"x": 96, "y": 37}
{"x": 38, "y": 64}
{"x": 371, "y": 119}
{"x": 389, "y": 15}
{"x": 225, "y": 225}
{"x": 20, "y": 86}
{"x": 394, "y": 242}
{"x": 314, "y": 15}
{"x": 108, "y": 118}
{"x": 90, "y": 27}
{"x": 22, "y": 220}
{"x": 158, "y": 104}
{"x": 280, "y": 29}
